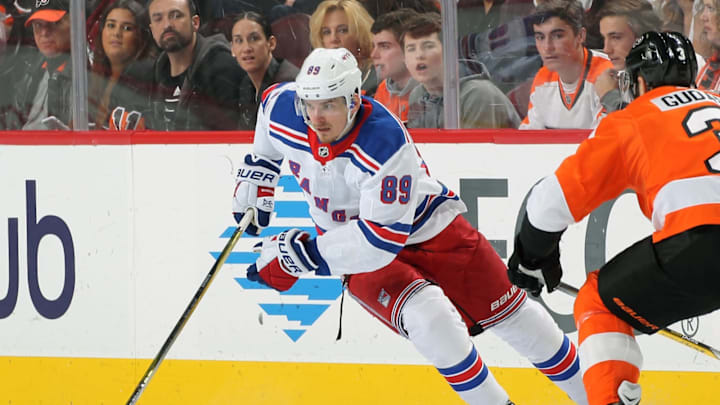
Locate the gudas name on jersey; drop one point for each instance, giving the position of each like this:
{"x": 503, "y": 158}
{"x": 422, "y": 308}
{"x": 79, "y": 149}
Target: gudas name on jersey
{"x": 682, "y": 98}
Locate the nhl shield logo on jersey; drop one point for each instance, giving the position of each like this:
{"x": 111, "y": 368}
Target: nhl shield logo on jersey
{"x": 384, "y": 298}
{"x": 323, "y": 151}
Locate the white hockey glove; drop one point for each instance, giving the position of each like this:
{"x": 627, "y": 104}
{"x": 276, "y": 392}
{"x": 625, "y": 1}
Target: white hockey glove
{"x": 293, "y": 252}
{"x": 282, "y": 259}
{"x": 255, "y": 189}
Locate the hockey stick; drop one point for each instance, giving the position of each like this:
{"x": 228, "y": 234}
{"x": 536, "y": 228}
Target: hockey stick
{"x": 667, "y": 332}
{"x": 247, "y": 218}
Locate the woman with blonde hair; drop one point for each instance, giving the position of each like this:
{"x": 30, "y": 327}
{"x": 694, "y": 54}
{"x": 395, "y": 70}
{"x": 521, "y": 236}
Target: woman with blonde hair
{"x": 346, "y": 24}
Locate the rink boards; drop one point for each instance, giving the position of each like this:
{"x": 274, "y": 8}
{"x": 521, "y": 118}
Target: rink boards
{"x": 104, "y": 242}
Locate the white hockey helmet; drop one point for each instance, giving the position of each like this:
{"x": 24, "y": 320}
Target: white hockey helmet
{"x": 327, "y": 74}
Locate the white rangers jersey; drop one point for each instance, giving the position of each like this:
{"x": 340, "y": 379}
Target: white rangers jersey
{"x": 551, "y": 107}
{"x": 370, "y": 193}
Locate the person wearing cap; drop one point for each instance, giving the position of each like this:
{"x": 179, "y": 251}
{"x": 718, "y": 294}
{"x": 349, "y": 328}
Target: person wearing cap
{"x": 43, "y": 85}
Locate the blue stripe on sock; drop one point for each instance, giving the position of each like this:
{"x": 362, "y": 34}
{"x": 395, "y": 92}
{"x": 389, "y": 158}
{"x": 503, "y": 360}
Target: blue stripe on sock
{"x": 476, "y": 381}
{"x": 568, "y": 373}
{"x": 558, "y": 357}
{"x": 462, "y": 366}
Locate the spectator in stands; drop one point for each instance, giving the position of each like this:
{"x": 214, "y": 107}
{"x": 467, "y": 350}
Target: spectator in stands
{"x": 346, "y": 24}
{"x": 42, "y": 83}
{"x": 252, "y": 46}
{"x": 482, "y": 105}
{"x": 563, "y": 92}
{"x": 196, "y": 78}
{"x": 621, "y": 22}
{"x": 708, "y": 77}
{"x": 123, "y": 38}
{"x": 682, "y": 16}
{"x": 387, "y": 55}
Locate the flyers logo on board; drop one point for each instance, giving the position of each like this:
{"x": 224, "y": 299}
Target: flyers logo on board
{"x": 298, "y": 308}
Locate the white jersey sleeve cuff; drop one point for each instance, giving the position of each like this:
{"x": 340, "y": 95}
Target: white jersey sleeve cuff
{"x": 547, "y": 209}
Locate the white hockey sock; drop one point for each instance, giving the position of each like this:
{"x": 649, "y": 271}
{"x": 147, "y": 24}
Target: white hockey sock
{"x": 439, "y": 334}
{"x": 546, "y": 347}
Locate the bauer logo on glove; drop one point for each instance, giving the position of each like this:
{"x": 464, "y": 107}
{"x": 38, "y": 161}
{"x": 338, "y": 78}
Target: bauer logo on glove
{"x": 293, "y": 255}
{"x": 281, "y": 258}
{"x": 256, "y": 175}
{"x": 255, "y": 190}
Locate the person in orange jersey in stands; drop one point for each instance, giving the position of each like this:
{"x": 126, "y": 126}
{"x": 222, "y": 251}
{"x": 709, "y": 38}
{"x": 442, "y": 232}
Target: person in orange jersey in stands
{"x": 389, "y": 61}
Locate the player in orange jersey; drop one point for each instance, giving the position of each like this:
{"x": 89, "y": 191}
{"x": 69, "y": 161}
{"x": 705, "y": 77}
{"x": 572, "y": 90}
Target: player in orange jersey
{"x": 665, "y": 147}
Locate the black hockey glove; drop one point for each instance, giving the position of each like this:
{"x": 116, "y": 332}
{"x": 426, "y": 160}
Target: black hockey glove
{"x": 535, "y": 262}
{"x": 531, "y": 275}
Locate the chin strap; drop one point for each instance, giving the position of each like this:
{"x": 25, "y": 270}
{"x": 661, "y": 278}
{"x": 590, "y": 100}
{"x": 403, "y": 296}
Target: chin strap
{"x": 349, "y": 124}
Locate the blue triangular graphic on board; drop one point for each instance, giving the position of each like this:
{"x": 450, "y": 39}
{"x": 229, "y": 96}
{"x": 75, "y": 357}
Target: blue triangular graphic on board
{"x": 307, "y": 314}
{"x": 294, "y": 334}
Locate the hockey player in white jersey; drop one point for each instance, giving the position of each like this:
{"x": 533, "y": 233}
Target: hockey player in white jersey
{"x": 393, "y": 232}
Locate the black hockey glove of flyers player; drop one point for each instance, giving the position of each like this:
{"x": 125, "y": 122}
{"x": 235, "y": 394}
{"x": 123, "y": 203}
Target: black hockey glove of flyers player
{"x": 532, "y": 274}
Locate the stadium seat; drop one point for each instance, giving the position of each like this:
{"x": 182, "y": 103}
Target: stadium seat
{"x": 293, "y": 38}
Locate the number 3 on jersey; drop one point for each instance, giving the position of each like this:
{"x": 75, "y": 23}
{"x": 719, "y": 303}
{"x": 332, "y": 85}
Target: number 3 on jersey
{"x": 394, "y": 189}
{"x": 699, "y": 121}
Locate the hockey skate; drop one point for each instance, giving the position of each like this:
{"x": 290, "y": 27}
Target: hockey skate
{"x": 629, "y": 393}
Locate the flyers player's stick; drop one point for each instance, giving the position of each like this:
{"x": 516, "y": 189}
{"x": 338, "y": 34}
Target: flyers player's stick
{"x": 667, "y": 332}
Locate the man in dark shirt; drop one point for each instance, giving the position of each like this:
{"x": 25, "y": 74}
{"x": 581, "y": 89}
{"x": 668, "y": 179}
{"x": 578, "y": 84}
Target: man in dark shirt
{"x": 196, "y": 78}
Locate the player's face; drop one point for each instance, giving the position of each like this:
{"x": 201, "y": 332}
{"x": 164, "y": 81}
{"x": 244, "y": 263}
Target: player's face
{"x": 52, "y": 38}
{"x": 328, "y": 117}
{"x": 423, "y": 57}
{"x": 387, "y": 56}
{"x": 335, "y": 33}
{"x": 252, "y": 49}
{"x": 120, "y": 36}
{"x": 618, "y": 37}
{"x": 710, "y": 22}
{"x": 557, "y": 44}
{"x": 172, "y": 25}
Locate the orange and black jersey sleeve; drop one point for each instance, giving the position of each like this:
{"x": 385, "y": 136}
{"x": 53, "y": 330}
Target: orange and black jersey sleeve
{"x": 663, "y": 146}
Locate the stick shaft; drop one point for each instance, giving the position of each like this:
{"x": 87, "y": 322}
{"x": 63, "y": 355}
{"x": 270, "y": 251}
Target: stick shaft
{"x": 666, "y": 332}
{"x": 145, "y": 380}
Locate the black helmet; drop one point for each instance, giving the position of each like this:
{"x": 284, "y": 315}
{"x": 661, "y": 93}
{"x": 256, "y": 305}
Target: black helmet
{"x": 661, "y": 58}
